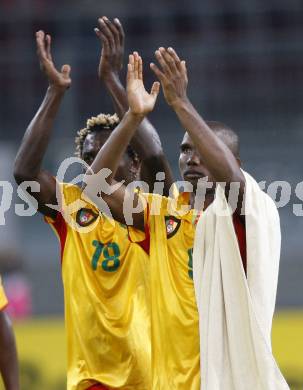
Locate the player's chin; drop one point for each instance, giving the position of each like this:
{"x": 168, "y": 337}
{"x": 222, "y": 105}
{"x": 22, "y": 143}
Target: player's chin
{"x": 193, "y": 179}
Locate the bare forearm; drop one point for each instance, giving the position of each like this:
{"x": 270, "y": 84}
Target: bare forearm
{"x": 109, "y": 157}
{"x": 146, "y": 141}
{"x": 216, "y": 155}
{"x": 36, "y": 139}
{"x": 8, "y": 354}
{"x": 117, "y": 92}
{"x": 112, "y": 151}
{"x": 140, "y": 104}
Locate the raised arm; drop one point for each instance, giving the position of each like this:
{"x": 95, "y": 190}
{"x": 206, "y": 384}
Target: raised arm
{"x": 218, "y": 158}
{"x": 146, "y": 141}
{"x": 8, "y": 354}
{"x": 140, "y": 104}
{"x": 28, "y": 163}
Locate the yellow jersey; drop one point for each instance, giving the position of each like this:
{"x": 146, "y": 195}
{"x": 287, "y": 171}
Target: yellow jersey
{"x": 174, "y": 314}
{"x": 3, "y": 299}
{"x": 107, "y": 299}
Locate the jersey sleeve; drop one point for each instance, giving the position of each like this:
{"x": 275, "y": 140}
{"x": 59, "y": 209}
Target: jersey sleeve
{"x": 68, "y": 194}
{"x": 59, "y": 227}
{"x": 75, "y": 212}
{"x": 3, "y": 298}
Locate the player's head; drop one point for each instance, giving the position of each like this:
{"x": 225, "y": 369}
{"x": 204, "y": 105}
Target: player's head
{"x": 91, "y": 139}
{"x": 191, "y": 163}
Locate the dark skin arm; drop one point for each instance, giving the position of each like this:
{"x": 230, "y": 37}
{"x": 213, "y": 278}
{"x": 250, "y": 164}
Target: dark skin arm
{"x": 28, "y": 163}
{"x": 8, "y": 354}
{"x": 218, "y": 158}
{"x": 140, "y": 104}
{"x": 146, "y": 141}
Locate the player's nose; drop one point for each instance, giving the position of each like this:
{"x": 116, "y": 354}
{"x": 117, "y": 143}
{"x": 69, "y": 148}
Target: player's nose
{"x": 193, "y": 159}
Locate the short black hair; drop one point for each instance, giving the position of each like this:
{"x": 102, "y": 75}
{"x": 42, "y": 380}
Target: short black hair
{"x": 101, "y": 122}
{"x": 97, "y": 123}
{"x": 227, "y": 134}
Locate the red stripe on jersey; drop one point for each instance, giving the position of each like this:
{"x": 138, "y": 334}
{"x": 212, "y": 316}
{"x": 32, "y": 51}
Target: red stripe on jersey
{"x": 239, "y": 225}
{"x": 145, "y": 244}
{"x": 98, "y": 387}
{"x": 61, "y": 229}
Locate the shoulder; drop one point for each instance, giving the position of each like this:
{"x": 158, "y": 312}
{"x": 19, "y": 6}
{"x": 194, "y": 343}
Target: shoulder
{"x": 69, "y": 191}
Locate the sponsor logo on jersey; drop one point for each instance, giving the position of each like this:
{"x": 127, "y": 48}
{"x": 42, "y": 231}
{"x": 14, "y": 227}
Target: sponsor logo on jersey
{"x": 86, "y": 217}
{"x": 172, "y": 225}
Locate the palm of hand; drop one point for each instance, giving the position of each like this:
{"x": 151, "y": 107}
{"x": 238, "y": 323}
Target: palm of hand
{"x": 140, "y": 101}
{"x": 55, "y": 77}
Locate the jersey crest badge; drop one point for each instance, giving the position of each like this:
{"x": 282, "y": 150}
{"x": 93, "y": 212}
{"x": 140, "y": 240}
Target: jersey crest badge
{"x": 86, "y": 217}
{"x": 172, "y": 225}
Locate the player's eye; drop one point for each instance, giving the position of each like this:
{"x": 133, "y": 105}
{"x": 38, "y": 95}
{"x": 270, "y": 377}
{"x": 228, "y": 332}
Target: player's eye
{"x": 185, "y": 149}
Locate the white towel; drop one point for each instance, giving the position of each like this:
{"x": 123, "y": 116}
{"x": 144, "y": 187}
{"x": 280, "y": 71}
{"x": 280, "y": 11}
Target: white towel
{"x": 235, "y": 312}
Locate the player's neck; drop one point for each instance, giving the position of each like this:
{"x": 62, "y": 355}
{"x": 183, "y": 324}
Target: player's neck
{"x": 201, "y": 204}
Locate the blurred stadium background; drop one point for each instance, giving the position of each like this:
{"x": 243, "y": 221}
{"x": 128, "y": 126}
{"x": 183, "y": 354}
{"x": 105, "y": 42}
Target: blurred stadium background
{"x": 245, "y": 61}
